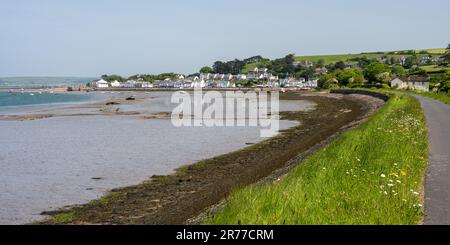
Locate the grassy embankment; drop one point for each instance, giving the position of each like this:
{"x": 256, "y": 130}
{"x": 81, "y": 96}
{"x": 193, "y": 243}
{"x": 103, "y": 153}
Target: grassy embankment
{"x": 370, "y": 175}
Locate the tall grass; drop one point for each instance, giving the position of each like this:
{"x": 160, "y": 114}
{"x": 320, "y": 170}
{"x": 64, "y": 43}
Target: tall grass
{"x": 369, "y": 175}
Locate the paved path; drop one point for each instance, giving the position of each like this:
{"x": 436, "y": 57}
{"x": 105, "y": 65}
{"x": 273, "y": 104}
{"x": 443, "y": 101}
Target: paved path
{"x": 437, "y": 181}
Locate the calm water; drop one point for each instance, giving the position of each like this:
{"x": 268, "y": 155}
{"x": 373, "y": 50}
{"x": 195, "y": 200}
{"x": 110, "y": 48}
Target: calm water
{"x": 37, "y": 82}
{"x": 49, "y": 163}
{"x": 33, "y": 98}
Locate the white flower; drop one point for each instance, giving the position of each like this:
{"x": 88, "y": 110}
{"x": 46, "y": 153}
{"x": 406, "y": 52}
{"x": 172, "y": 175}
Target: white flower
{"x": 385, "y": 193}
{"x": 383, "y": 176}
{"x": 390, "y": 185}
{"x": 398, "y": 181}
{"x": 416, "y": 193}
{"x": 420, "y": 205}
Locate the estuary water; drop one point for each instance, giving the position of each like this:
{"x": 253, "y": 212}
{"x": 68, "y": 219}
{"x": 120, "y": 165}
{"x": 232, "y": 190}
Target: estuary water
{"x": 49, "y": 163}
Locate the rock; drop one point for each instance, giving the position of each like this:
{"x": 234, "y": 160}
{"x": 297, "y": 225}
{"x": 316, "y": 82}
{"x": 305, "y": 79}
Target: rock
{"x": 130, "y": 98}
{"x": 112, "y": 103}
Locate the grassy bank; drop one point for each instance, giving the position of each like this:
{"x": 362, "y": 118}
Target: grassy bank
{"x": 370, "y": 175}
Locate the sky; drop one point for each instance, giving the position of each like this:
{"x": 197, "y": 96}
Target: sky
{"x": 95, "y": 37}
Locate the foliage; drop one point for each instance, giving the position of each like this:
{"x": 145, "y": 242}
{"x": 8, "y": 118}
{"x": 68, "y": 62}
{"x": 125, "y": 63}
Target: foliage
{"x": 236, "y": 66}
{"x": 372, "y": 72}
{"x": 351, "y": 76}
{"x": 206, "y": 69}
{"x": 284, "y": 66}
{"x": 111, "y": 78}
{"x": 398, "y": 70}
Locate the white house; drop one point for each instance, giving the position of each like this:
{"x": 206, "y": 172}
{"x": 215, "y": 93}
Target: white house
{"x": 412, "y": 82}
{"x": 116, "y": 84}
{"x": 101, "y": 84}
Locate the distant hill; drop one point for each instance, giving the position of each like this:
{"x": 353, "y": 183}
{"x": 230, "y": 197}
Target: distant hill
{"x": 328, "y": 59}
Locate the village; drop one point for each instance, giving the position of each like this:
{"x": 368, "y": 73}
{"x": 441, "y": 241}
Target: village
{"x": 258, "y": 78}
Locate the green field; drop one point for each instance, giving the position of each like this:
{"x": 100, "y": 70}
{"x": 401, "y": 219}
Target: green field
{"x": 434, "y": 68}
{"x": 329, "y": 59}
{"x": 370, "y": 175}
{"x": 435, "y": 50}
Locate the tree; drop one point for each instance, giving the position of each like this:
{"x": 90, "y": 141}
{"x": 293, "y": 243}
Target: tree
{"x": 340, "y": 65}
{"x": 374, "y": 69}
{"x": 446, "y": 56}
{"x": 324, "y": 78}
{"x": 283, "y": 66}
{"x": 220, "y": 67}
{"x": 398, "y": 70}
{"x": 411, "y": 61}
{"x": 206, "y": 69}
{"x": 353, "y": 75}
{"x": 320, "y": 63}
{"x": 111, "y": 78}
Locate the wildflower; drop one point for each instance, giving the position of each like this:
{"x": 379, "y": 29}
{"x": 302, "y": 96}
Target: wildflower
{"x": 385, "y": 193}
{"x": 391, "y": 181}
{"x": 390, "y": 185}
{"x": 398, "y": 181}
{"x": 416, "y": 193}
{"x": 383, "y": 176}
{"x": 357, "y": 159}
{"x": 404, "y": 200}
{"x": 420, "y": 205}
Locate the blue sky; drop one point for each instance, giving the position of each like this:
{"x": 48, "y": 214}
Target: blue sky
{"x": 94, "y": 37}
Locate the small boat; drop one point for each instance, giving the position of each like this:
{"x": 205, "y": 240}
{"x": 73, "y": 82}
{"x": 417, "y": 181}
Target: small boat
{"x": 31, "y": 94}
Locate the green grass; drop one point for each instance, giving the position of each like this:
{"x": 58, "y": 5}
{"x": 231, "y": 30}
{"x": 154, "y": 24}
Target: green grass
{"x": 63, "y": 217}
{"x": 349, "y": 181}
{"x": 435, "y": 50}
{"x": 329, "y": 59}
{"x": 434, "y": 68}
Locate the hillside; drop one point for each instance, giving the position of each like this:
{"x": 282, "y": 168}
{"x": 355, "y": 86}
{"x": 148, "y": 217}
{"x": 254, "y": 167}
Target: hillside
{"x": 329, "y": 59}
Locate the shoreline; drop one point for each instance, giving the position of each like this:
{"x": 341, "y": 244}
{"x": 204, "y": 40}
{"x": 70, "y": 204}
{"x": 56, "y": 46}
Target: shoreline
{"x": 193, "y": 189}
